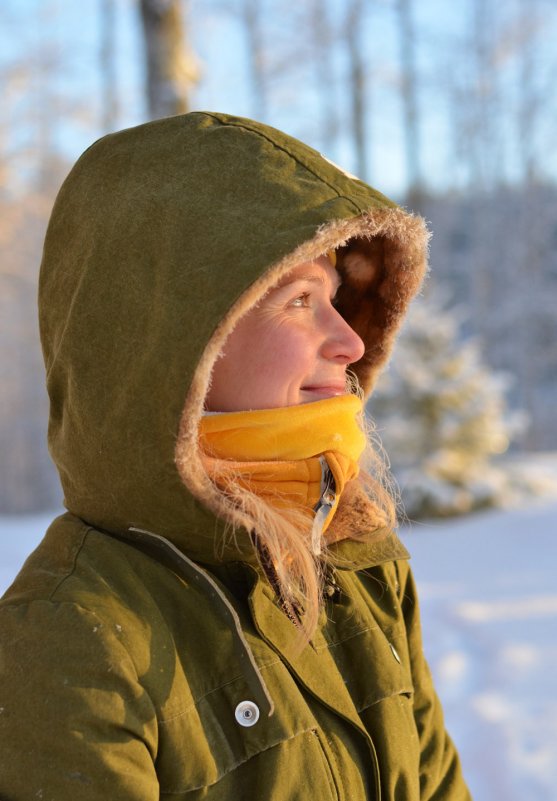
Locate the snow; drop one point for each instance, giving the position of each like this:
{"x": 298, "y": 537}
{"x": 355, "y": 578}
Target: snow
{"x": 489, "y": 609}
{"x": 19, "y": 535}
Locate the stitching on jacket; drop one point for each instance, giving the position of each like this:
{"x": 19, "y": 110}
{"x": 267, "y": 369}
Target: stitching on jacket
{"x": 196, "y": 701}
{"x": 335, "y": 643}
{"x": 407, "y": 692}
{"x": 104, "y": 627}
{"x": 323, "y": 180}
{"x": 328, "y": 766}
{"x": 86, "y": 529}
{"x": 237, "y": 764}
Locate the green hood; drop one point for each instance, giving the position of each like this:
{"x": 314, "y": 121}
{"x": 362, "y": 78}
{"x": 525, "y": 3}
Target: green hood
{"x": 161, "y": 236}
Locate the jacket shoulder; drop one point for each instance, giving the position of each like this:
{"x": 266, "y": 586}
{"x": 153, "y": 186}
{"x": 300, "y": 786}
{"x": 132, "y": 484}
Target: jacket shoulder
{"x": 64, "y": 669}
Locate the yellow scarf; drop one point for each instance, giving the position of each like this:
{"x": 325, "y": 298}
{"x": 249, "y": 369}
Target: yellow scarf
{"x": 276, "y": 452}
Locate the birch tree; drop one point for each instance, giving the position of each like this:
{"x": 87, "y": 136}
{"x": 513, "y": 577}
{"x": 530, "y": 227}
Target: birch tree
{"x": 171, "y": 69}
{"x": 409, "y": 89}
{"x": 109, "y": 91}
{"x": 357, "y": 85}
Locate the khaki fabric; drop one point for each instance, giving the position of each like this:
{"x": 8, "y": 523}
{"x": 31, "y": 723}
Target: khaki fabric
{"x": 122, "y": 663}
{"x": 121, "y": 680}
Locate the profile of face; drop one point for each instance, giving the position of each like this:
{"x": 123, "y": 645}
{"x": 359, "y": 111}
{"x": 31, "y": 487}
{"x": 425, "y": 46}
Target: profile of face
{"x": 292, "y": 347}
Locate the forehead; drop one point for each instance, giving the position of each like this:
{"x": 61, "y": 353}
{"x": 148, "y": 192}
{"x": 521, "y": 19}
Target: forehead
{"x": 319, "y": 271}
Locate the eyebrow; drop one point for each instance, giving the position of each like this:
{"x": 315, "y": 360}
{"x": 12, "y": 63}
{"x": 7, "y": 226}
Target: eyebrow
{"x": 312, "y": 278}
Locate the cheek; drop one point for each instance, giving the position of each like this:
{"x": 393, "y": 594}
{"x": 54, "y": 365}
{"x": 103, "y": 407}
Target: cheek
{"x": 289, "y": 352}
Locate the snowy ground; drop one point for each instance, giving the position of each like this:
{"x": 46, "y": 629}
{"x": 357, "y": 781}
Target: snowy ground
{"x": 489, "y": 607}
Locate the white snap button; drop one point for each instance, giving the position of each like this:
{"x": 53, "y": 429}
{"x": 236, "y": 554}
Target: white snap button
{"x": 247, "y": 713}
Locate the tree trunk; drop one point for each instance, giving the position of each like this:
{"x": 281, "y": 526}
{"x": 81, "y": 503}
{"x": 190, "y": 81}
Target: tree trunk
{"x": 322, "y": 37}
{"x": 354, "y": 25}
{"x": 170, "y": 67}
{"x": 253, "y": 25}
{"x": 409, "y": 92}
{"x": 109, "y": 112}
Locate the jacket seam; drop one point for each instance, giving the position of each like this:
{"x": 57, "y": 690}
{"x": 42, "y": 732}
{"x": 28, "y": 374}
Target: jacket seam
{"x": 49, "y": 597}
{"x": 409, "y": 691}
{"x": 323, "y": 180}
{"x": 86, "y": 529}
{"x": 103, "y": 624}
{"x": 104, "y": 629}
{"x": 403, "y": 596}
{"x": 336, "y": 643}
{"x": 237, "y": 764}
{"x": 328, "y": 765}
{"x": 163, "y": 721}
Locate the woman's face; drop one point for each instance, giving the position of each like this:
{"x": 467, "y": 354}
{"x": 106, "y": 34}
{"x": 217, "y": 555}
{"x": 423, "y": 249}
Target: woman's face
{"x": 292, "y": 347}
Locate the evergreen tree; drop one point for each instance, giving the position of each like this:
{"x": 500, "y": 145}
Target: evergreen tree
{"x": 441, "y": 416}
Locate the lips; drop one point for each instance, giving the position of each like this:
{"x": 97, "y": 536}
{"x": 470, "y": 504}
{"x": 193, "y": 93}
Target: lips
{"x": 327, "y": 390}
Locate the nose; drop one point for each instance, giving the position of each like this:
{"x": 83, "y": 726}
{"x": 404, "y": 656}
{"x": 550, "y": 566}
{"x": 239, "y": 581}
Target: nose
{"x": 342, "y": 345}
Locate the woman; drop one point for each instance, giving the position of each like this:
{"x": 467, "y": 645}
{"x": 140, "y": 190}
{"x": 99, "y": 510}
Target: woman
{"x": 225, "y": 611}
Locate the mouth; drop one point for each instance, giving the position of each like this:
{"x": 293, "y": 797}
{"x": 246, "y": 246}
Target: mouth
{"x": 325, "y": 390}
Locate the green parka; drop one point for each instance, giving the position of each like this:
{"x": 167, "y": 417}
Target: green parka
{"x": 143, "y": 652}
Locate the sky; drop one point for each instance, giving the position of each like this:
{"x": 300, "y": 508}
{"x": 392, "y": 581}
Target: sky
{"x": 50, "y": 55}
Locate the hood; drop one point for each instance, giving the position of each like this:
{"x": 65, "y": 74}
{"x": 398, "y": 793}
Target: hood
{"x": 160, "y": 238}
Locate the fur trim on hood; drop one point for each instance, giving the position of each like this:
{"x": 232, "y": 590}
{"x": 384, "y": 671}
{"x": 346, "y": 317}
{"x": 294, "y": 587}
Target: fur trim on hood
{"x": 161, "y": 238}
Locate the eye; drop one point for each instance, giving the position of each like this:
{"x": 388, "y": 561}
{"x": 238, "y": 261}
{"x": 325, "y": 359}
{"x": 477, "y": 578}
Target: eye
{"x": 302, "y": 301}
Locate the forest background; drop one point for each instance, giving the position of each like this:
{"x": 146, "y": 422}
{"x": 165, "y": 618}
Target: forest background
{"x": 448, "y": 108}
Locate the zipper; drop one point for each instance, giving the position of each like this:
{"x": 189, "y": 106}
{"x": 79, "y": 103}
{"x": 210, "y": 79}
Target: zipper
{"x": 323, "y": 507}
{"x": 292, "y": 611}
{"x": 322, "y": 510}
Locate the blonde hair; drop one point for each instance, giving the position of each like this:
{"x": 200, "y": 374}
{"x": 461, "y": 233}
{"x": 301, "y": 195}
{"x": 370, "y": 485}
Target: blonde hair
{"x": 382, "y": 261}
{"x": 282, "y": 536}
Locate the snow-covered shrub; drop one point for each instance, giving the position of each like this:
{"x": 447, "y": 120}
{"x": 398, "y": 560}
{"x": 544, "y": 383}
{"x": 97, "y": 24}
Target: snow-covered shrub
{"x": 442, "y": 417}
